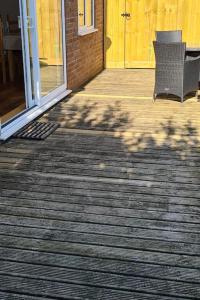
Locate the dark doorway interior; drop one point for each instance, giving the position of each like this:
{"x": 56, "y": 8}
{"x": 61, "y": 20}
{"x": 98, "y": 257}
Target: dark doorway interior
{"x": 12, "y": 90}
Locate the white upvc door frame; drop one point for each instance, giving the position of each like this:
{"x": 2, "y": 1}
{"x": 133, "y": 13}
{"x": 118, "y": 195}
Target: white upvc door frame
{"x": 33, "y": 37}
{"x": 26, "y": 53}
{"x": 36, "y": 105}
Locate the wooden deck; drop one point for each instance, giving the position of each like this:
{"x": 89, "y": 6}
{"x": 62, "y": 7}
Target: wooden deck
{"x": 108, "y": 207}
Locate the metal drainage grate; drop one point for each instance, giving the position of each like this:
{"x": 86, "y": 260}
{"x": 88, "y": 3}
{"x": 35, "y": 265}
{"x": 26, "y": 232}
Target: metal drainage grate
{"x": 36, "y": 130}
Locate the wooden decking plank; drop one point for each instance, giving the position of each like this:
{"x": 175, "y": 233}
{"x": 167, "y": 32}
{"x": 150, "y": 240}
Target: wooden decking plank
{"x": 136, "y": 241}
{"x": 80, "y": 114}
{"x": 81, "y": 156}
{"x": 125, "y": 210}
{"x": 102, "y": 280}
{"x": 78, "y": 156}
{"x": 76, "y": 113}
{"x": 112, "y": 212}
{"x": 85, "y": 105}
{"x": 97, "y": 180}
{"x": 134, "y": 143}
{"x": 165, "y": 132}
{"x": 151, "y": 158}
{"x": 76, "y": 98}
{"x": 102, "y": 171}
{"x": 22, "y": 216}
{"x": 100, "y": 219}
{"x": 118, "y": 148}
{"x": 96, "y": 195}
{"x": 155, "y": 181}
{"x": 137, "y": 203}
{"x": 101, "y": 168}
{"x": 179, "y": 174}
{"x": 111, "y": 184}
{"x": 116, "y": 130}
{"x": 145, "y": 231}
{"x": 107, "y": 140}
{"x": 95, "y": 158}
{"x": 63, "y": 290}
{"x": 120, "y": 253}
{"x": 102, "y": 198}
{"x": 120, "y": 267}
{"x": 12, "y": 296}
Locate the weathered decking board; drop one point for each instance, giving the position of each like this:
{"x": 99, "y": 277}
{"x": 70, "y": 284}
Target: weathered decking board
{"x": 108, "y": 207}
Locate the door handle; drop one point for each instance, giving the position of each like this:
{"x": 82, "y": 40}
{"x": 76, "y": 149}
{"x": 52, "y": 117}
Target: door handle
{"x": 29, "y": 22}
{"x": 126, "y": 15}
{"x": 19, "y": 22}
{"x": 80, "y": 14}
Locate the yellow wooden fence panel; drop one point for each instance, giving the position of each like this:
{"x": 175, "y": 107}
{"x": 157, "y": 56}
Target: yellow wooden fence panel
{"x": 147, "y": 16}
{"x": 189, "y": 21}
{"x": 165, "y": 19}
{"x": 139, "y": 32}
{"x": 167, "y": 11}
{"x": 114, "y": 33}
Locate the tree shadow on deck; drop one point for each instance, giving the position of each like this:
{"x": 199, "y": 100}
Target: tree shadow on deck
{"x": 116, "y": 167}
{"x": 120, "y": 128}
{"x": 135, "y": 130}
{"x": 117, "y": 143}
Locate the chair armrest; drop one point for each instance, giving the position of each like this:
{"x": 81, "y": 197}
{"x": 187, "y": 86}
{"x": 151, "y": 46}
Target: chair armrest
{"x": 192, "y": 65}
{"x": 192, "y": 58}
{"x": 191, "y": 73}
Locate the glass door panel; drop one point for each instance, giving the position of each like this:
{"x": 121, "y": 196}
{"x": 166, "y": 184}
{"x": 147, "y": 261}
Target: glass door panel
{"x": 50, "y": 45}
{"x": 89, "y": 13}
{"x": 13, "y": 93}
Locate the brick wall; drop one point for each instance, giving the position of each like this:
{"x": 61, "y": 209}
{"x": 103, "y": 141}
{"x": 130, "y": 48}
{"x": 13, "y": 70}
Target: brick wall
{"x": 84, "y": 53}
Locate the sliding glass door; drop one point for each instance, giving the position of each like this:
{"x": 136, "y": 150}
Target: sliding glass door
{"x": 32, "y": 60}
{"x": 50, "y": 44}
{"x": 46, "y": 37}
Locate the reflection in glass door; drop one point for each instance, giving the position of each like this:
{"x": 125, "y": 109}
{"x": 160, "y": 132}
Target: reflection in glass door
{"x": 12, "y": 61}
{"x": 50, "y": 45}
{"x": 32, "y": 60}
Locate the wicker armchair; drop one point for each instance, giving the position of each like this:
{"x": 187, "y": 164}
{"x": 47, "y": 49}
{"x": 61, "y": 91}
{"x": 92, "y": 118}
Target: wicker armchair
{"x": 174, "y": 74}
{"x": 173, "y": 36}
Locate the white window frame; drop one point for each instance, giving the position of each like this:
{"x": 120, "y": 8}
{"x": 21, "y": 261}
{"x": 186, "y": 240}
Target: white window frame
{"x": 83, "y": 30}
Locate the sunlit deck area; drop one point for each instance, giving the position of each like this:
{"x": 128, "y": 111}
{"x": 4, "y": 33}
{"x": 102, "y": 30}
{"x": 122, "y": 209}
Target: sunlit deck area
{"x": 108, "y": 206}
